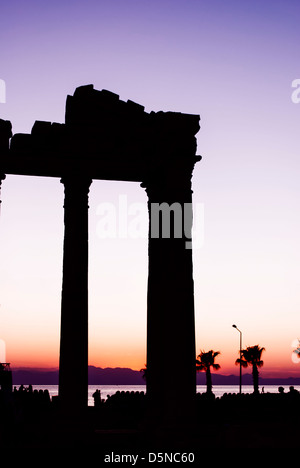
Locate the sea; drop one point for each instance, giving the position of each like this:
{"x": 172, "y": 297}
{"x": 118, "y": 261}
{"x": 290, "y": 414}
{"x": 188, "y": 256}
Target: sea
{"x": 109, "y": 390}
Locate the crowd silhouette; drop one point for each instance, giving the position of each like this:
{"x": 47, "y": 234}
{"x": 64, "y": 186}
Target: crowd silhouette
{"x": 28, "y": 413}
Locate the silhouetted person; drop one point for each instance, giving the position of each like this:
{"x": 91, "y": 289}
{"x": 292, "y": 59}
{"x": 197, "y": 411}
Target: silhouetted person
{"x": 293, "y": 390}
{"x": 97, "y": 398}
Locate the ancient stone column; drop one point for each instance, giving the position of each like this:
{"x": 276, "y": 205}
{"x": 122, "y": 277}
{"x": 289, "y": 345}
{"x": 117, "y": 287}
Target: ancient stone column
{"x": 73, "y": 366}
{"x": 171, "y": 376}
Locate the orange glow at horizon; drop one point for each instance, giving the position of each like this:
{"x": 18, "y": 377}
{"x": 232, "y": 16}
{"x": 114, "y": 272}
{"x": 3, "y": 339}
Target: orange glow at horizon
{"x": 42, "y": 353}
{"x": 133, "y": 356}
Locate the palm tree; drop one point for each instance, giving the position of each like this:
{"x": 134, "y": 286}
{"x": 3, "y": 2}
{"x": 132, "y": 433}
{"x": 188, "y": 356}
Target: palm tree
{"x": 204, "y": 362}
{"x": 252, "y": 356}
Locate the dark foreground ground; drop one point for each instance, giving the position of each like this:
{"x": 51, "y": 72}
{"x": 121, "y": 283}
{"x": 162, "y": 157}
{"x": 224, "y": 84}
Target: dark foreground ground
{"x": 267, "y": 420}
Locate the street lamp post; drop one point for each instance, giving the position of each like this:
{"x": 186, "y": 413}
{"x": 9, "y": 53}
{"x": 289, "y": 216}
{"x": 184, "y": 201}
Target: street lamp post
{"x": 234, "y": 326}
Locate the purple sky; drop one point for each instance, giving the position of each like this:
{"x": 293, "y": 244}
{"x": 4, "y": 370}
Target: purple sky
{"x": 231, "y": 62}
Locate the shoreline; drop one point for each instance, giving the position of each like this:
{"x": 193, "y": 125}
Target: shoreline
{"x": 247, "y": 420}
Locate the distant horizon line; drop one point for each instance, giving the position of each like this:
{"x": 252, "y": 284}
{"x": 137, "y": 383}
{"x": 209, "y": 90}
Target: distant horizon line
{"x": 276, "y": 374}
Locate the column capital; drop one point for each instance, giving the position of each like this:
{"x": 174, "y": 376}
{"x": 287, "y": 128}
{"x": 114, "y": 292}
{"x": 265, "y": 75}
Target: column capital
{"x": 76, "y": 190}
{"x": 172, "y": 182}
{"x": 82, "y": 183}
{"x": 2, "y": 177}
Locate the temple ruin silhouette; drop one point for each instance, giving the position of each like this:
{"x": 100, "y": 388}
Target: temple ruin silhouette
{"x": 106, "y": 138}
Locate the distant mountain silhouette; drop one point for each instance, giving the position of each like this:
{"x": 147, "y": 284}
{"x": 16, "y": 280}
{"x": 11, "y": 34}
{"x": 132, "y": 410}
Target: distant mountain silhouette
{"x": 96, "y": 376}
{"x": 126, "y": 376}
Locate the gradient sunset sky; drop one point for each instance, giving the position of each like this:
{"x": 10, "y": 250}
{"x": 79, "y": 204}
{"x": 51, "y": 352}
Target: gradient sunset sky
{"x": 233, "y": 62}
